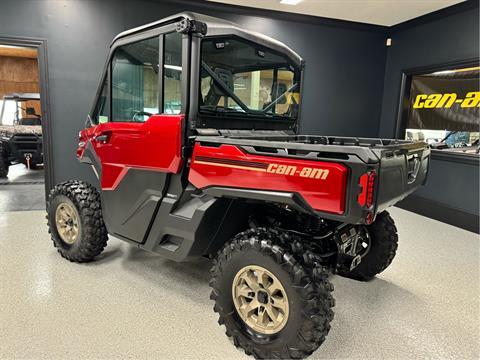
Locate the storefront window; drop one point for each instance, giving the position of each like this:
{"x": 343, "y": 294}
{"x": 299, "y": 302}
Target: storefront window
{"x": 444, "y": 110}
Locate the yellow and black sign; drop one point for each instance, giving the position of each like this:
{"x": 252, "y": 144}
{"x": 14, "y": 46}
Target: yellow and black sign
{"x": 424, "y": 101}
{"x": 445, "y": 100}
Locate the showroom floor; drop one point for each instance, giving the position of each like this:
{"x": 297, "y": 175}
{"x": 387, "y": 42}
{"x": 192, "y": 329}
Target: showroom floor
{"x": 130, "y": 303}
{"x": 24, "y": 189}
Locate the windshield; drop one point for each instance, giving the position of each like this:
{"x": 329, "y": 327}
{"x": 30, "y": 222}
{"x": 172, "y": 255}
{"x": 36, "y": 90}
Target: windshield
{"x": 240, "y": 77}
{"x": 20, "y": 112}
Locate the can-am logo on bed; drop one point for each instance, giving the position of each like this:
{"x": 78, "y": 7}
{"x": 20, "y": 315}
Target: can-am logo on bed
{"x": 305, "y": 172}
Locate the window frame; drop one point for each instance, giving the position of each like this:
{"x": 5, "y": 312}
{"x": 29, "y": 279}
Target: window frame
{"x": 160, "y": 33}
{"x": 404, "y": 98}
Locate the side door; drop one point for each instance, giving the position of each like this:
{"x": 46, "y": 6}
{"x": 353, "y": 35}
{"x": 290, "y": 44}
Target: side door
{"x": 138, "y": 131}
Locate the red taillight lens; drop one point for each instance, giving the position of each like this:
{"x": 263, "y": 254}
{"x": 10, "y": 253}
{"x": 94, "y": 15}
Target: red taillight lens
{"x": 367, "y": 182}
{"x": 370, "y": 188}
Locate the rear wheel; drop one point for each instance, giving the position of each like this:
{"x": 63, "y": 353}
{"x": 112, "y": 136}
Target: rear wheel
{"x": 382, "y": 247}
{"x": 271, "y": 302}
{"x": 75, "y": 221}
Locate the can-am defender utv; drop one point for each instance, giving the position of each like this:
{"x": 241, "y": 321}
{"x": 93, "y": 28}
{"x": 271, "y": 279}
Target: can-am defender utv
{"x": 21, "y": 135}
{"x": 193, "y": 138}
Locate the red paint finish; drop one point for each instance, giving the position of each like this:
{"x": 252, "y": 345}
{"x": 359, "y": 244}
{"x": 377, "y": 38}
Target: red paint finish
{"x": 155, "y": 145}
{"x": 322, "y": 184}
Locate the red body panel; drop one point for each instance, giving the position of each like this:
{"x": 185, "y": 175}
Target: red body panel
{"x": 321, "y": 184}
{"x": 155, "y": 144}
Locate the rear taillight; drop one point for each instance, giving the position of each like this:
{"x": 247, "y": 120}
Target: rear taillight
{"x": 367, "y": 183}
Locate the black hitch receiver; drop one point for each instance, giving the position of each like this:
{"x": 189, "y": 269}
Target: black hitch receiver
{"x": 348, "y": 238}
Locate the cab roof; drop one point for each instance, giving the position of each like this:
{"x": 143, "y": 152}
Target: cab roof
{"x": 218, "y": 27}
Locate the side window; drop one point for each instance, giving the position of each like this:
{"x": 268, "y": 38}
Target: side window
{"x": 101, "y": 115}
{"x": 172, "y": 74}
{"x": 135, "y": 81}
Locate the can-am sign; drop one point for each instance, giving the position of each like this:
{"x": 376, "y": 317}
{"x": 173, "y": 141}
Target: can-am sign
{"x": 445, "y": 101}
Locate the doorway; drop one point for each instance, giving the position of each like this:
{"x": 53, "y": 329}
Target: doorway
{"x": 25, "y": 171}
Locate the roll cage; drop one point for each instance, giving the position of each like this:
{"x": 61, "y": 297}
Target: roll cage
{"x": 195, "y": 27}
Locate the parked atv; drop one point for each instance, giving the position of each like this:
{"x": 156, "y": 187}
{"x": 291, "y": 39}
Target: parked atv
{"x": 21, "y": 137}
{"x": 225, "y": 176}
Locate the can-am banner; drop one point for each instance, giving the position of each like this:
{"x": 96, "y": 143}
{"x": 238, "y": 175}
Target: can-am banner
{"x": 448, "y": 100}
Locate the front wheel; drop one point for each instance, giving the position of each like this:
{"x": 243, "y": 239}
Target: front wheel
{"x": 75, "y": 221}
{"x": 382, "y": 247}
{"x": 4, "y": 163}
{"x": 271, "y": 302}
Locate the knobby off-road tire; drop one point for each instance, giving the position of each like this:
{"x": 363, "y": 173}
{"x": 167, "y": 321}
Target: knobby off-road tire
{"x": 306, "y": 285}
{"x": 4, "y": 163}
{"x": 383, "y": 247}
{"x": 82, "y": 201}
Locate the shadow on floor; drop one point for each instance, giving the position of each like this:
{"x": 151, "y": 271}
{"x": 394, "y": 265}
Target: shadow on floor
{"x": 357, "y": 299}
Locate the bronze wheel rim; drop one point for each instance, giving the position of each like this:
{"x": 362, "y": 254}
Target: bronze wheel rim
{"x": 260, "y": 299}
{"x": 66, "y": 219}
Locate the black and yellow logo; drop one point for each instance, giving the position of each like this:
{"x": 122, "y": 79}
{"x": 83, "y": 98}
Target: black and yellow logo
{"x": 424, "y": 101}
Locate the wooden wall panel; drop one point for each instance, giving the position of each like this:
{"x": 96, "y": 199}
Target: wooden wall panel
{"x": 18, "y": 75}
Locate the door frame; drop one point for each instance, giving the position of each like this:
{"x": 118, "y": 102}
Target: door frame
{"x": 41, "y": 46}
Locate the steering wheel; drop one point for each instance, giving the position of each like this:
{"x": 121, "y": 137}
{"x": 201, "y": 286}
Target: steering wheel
{"x": 140, "y": 113}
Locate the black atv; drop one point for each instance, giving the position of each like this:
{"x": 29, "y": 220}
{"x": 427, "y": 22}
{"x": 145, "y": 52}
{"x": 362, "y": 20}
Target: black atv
{"x": 20, "y": 137}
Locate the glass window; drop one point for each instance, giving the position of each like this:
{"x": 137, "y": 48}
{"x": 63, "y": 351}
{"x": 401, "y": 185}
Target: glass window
{"x": 444, "y": 110}
{"x": 100, "y": 115}
{"x": 172, "y": 74}
{"x": 238, "y": 76}
{"x": 135, "y": 81}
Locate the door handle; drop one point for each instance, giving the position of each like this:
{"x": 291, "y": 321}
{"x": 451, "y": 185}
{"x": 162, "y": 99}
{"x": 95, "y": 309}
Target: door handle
{"x": 101, "y": 138}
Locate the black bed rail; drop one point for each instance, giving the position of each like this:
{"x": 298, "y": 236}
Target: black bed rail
{"x": 369, "y": 150}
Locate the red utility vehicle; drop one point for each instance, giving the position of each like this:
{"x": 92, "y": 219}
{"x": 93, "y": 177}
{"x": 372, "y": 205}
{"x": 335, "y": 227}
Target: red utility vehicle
{"x": 193, "y": 137}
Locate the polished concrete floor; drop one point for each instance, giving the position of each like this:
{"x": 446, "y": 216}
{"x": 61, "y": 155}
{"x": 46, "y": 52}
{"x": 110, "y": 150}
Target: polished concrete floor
{"x": 18, "y": 174}
{"x": 22, "y": 190}
{"x": 132, "y": 304}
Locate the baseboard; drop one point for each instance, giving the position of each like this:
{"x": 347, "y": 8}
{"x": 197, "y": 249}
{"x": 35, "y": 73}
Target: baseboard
{"x": 441, "y": 212}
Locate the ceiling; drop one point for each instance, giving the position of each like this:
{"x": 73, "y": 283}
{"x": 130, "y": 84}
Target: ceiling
{"x": 378, "y": 12}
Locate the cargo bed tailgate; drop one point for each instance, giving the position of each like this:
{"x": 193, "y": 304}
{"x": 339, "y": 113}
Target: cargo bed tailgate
{"x": 402, "y": 170}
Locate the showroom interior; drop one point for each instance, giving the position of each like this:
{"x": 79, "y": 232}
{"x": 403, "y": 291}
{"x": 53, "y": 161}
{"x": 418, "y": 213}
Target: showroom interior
{"x": 201, "y": 166}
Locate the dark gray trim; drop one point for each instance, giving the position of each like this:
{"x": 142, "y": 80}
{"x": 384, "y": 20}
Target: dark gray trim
{"x": 194, "y": 83}
{"x": 185, "y": 77}
{"x": 291, "y": 199}
{"x": 42, "y": 58}
{"x": 443, "y": 155}
{"x": 161, "y": 69}
{"x": 441, "y": 212}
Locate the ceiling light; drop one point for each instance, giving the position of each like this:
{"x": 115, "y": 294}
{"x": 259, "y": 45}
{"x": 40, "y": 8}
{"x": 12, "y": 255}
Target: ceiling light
{"x": 290, "y": 2}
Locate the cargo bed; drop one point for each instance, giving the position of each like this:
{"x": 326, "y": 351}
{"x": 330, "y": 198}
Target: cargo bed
{"x": 399, "y": 166}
